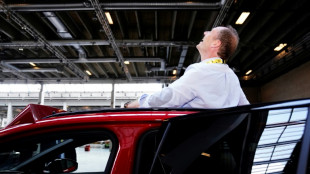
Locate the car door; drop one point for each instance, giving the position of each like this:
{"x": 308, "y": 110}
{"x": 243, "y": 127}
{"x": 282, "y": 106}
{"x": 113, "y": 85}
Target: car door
{"x": 227, "y": 140}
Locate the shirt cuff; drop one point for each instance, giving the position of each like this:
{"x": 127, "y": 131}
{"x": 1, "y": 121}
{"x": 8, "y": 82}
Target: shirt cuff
{"x": 143, "y": 101}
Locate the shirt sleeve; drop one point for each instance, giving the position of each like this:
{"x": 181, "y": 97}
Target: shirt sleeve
{"x": 243, "y": 100}
{"x": 177, "y": 94}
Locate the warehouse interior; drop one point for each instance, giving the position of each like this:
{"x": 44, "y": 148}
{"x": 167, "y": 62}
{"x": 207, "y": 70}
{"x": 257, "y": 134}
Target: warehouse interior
{"x": 150, "y": 42}
{"x": 93, "y": 54}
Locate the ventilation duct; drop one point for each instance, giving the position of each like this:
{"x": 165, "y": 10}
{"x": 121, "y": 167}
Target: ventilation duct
{"x": 63, "y": 32}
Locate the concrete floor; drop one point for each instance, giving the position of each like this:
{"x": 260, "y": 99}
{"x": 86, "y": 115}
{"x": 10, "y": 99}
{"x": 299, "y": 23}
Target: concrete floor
{"x": 94, "y": 160}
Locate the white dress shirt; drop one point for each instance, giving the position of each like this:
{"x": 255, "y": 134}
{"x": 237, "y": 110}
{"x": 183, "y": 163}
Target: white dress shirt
{"x": 203, "y": 85}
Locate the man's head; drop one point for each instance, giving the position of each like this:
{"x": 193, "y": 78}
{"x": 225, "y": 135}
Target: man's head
{"x": 219, "y": 42}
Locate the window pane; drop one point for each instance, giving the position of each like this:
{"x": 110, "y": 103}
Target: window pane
{"x": 93, "y": 157}
{"x": 42, "y": 154}
{"x": 299, "y": 114}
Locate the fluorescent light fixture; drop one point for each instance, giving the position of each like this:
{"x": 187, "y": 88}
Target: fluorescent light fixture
{"x": 174, "y": 72}
{"x": 280, "y": 47}
{"x": 88, "y": 72}
{"x": 242, "y": 17}
{"x": 107, "y": 14}
{"x": 126, "y": 62}
{"x": 249, "y": 72}
{"x": 21, "y": 49}
{"x": 32, "y": 64}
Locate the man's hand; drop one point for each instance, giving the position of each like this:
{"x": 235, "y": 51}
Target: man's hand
{"x": 133, "y": 104}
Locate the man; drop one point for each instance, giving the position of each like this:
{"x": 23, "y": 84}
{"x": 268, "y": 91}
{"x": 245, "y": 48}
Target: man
{"x": 208, "y": 84}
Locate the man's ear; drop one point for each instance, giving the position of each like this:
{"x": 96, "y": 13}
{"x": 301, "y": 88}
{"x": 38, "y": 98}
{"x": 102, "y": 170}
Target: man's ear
{"x": 215, "y": 43}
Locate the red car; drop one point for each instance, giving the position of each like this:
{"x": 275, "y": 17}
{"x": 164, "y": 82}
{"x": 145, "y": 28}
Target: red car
{"x": 262, "y": 138}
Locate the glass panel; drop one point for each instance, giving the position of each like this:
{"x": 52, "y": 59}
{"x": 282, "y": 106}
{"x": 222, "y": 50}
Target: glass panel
{"x": 278, "y": 116}
{"x": 258, "y": 169}
{"x": 263, "y": 154}
{"x": 276, "y": 167}
{"x": 270, "y": 135}
{"x": 283, "y": 151}
{"x": 93, "y": 157}
{"x": 41, "y": 154}
{"x": 293, "y": 132}
{"x": 299, "y": 114}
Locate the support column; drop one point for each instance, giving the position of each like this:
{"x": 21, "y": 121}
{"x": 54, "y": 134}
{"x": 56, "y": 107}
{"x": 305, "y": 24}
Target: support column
{"x": 41, "y": 95}
{"x": 64, "y": 106}
{"x": 9, "y": 117}
{"x": 113, "y": 96}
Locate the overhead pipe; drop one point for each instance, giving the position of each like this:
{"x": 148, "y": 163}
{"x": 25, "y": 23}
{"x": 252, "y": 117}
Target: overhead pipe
{"x": 116, "y": 6}
{"x": 93, "y": 60}
{"x": 42, "y": 70}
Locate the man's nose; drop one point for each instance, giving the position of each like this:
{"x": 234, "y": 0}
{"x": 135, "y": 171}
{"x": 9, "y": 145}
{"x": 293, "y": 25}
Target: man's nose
{"x": 206, "y": 32}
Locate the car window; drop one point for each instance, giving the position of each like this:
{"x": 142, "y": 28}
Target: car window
{"x": 77, "y": 152}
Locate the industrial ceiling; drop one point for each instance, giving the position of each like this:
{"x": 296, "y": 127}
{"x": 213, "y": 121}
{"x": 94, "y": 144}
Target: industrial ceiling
{"x": 73, "y": 41}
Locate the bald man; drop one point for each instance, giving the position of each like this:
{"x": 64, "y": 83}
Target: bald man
{"x": 207, "y": 84}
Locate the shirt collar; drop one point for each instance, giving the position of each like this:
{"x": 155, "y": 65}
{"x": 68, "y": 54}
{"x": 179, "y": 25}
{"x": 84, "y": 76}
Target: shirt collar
{"x": 212, "y": 58}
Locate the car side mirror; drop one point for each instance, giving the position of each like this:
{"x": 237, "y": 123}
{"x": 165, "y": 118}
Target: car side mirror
{"x": 62, "y": 166}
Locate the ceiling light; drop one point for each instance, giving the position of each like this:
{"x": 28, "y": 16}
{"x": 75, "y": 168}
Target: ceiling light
{"x": 36, "y": 67}
{"x": 249, "y": 72}
{"x": 107, "y": 14}
{"x": 174, "y": 72}
{"x": 242, "y": 17}
{"x": 21, "y": 49}
{"x": 279, "y": 47}
{"x": 126, "y": 62}
{"x": 32, "y": 64}
{"x": 246, "y": 77}
{"x": 88, "y": 72}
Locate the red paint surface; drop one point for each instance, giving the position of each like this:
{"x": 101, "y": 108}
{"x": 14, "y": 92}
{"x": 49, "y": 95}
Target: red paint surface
{"x": 126, "y": 125}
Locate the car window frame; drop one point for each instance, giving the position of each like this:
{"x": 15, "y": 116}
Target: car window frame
{"x": 100, "y": 132}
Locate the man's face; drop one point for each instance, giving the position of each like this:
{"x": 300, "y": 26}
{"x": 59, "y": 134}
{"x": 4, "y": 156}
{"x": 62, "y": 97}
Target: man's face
{"x": 206, "y": 41}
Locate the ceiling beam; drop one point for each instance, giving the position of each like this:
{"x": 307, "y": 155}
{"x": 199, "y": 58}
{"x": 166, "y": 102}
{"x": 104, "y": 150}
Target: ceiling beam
{"x": 135, "y": 69}
{"x": 101, "y": 67}
{"x": 156, "y": 25}
{"x": 174, "y": 19}
{"x": 7, "y": 67}
{"x": 119, "y": 43}
{"x": 182, "y": 59}
{"x": 138, "y": 24}
{"x": 85, "y": 6}
{"x": 120, "y": 23}
{"x": 91, "y": 69}
{"x": 191, "y": 23}
{"x": 154, "y": 79}
{"x": 93, "y": 60}
{"x": 225, "y": 6}
{"x": 41, "y": 39}
{"x": 105, "y": 25}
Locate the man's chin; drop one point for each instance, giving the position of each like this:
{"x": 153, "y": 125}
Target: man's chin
{"x": 198, "y": 46}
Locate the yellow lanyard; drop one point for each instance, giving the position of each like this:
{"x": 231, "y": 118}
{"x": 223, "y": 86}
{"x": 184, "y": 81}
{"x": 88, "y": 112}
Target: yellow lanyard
{"x": 214, "y": 61}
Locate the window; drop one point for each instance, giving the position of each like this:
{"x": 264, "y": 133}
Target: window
{"x": 75, "y": 152}
{"x": 284, "y": 130}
